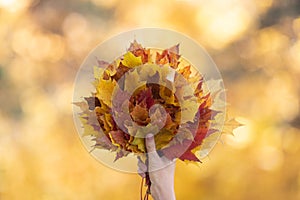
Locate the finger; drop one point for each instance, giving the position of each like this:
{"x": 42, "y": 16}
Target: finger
{"x": 150, "y": 143}
{"x": 151, "y": 148}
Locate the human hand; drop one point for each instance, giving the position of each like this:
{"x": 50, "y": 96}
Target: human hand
{"x": 161, "y": 172}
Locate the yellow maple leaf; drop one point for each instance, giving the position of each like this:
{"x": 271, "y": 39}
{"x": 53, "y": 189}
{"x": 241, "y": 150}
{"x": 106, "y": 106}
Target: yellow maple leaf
{"x": 230, "y": 125}
{"x": 184, "y": 134}
{"x": 104, "y": 90}
{"x": 133, "y": 81}
{"x": 98, "y": 72}
{"x": 130, "y": 60}
{"x": 140, "y": 143}
{"x": 185, "y": 72}
{"x": 167, "y": 95}
{"x": 146, "y": 71}
{"x": 88, "y": 129}
{"x": 163, "y": 138}
{"x": 133, "y": 148}
{"x": 189, "y": 109}
{"x": 142, "y": 131}
{"x": 108, "y": 119}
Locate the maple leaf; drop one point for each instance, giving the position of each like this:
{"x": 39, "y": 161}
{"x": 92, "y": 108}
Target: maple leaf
{"x": 199, "y": 90}
{"x": 190, "y": 156}
{"x": 169, "y": 56}
{"x": 140, "y": 115}
{"x": 104, "y": 90}
{"x": 108, "y": 122}
{"x": 104, "y": 142}
{"x": 133, "y": 148}
{"x": 131, "y": 128}
{"x": 138, "y": 50}
{"x": 122, "y": 96}
{"x": 162, "y": 58}
{"x": 167, "y": 95}
{"x": 189, "y": 108}
{"x": 150, "y": 73}
{"x": 88, "y": 129}
{"x": 88, "y": 119}
{"x": 92, "y": 119}
{"x": 98, "y": 72}
{"x": 174, "y": 49}
{"x": 184, "y": 134}
{"x": 186, "y": 71}
{"x": 163, "y": 138}
{"x": 230, "y": 125}
{"x": 176, "y": 150}
{"x": 132, "y": 81}
{"x": 146, "y": 96}
{"x": 188, "y": 151}
{"x": 140, "y": 143}
{"x": 92, "y": 102}
{"x": 158, "y": 116}
{"x": 144, "y": 54}
{"x": 118, "y": 138}
{"x": 82, "y": 105}
{"x": 210, "y": 132}
{"x": 120, "y": 71}
{"x": 134, "y": 46}
{"x": 144, "y": 130}
{"x": 130, "y": 60}
{"x": 173, "y": 60}
{"x": 102, "y": 64}
{"x": 101, "y": 110}
{"x": 121, "y": 153}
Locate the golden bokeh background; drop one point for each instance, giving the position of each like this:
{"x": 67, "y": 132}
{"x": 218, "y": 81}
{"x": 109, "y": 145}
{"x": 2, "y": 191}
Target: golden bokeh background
{"x": 255, "y": 44}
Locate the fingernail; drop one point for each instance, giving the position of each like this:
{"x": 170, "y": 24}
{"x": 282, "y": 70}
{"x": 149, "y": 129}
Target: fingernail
{"x": 149, "y": 135}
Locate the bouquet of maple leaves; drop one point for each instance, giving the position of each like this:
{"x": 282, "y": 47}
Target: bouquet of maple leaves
{"x": 192, "y": 114}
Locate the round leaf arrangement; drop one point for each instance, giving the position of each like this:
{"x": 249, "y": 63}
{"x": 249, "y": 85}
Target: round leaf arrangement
{"x": 149, "y": 81}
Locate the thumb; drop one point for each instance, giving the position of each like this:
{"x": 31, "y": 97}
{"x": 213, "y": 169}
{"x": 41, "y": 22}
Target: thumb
{"x": 151, "y": 149}
{"x": 150, "y": 143}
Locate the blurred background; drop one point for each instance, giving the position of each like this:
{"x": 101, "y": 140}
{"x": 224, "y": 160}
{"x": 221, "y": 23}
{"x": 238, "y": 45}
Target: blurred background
{"x": 255, "y": 44}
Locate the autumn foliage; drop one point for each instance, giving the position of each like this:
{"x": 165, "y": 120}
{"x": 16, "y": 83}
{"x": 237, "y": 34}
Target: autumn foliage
{"x": 174, "y": 105}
